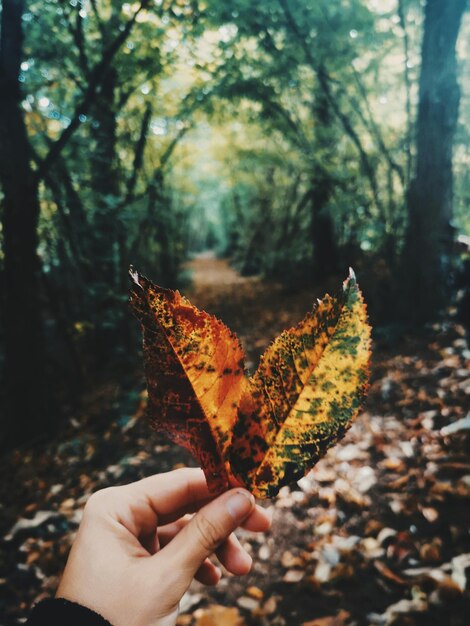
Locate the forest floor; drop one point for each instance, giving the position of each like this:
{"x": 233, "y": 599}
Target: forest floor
{"x": 376, "y": 534}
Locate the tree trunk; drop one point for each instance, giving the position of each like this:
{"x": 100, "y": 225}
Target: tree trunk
{"x": 106, "y": 225}
{"x": 159, "y": 224}
{"x": 429, "y": 234}
{"x": 26, "y": 407}
{"x": 325, "y": 250}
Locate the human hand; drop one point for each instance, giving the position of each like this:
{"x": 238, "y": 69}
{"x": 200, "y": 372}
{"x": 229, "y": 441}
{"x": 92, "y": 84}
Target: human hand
{"x": 137, "y": 549}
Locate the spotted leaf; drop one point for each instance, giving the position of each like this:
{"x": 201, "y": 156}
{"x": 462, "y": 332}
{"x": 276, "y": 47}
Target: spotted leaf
{"x": 305, "y": 394}
{"x": 267, "y": 431}
{"x": 194, "y": 370}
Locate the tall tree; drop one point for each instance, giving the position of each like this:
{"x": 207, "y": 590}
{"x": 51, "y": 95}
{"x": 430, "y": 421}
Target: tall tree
{"x": 24, "y": 349}
{"x": 325, "y": 249}
{"x": 429, "y": 234}
{"x": 27, "y": 394}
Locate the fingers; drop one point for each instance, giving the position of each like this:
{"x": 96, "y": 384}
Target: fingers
{"x": 173, "y": 494}
{"x": 169, "y": 531}
{"x": 142, "y": 505}
{"x": 231, "y": 554}
{"x": 207, "y": 530}
{"x": 234, "y": 557}
{"x": 259, "y": 520}
{"x": 208, "y": 574}
{"x": 162, "y": 499}
{"x": 150, "y": 541}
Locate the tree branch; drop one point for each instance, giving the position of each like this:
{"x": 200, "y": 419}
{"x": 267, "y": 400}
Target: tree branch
{"x": 374, "y": 130}
{"x": 70, "y": 229}
{"x": 406, "y": 76}
{"x": 99, "y": 21}
{"x": 324, "y": 81}
{"x": 138, "y": 155}
{"x": 79, "y": 39}
{"x": 96, "y": 78}
{"x": 171, "y": 147}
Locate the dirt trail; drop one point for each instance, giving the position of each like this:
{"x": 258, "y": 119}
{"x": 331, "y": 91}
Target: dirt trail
{"x": 257, "y": 310}
{"x": 208, "y": 271}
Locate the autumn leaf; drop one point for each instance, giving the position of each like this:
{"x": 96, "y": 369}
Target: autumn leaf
{"x": 194, "y": 370}
{"x": 269, "y": 430}
{"x": 305, "y": 394}
{"x": 217, "y": 615}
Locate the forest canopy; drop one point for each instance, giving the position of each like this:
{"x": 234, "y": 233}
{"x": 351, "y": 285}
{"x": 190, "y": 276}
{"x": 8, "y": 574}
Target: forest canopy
{"x": 294, "y": 137}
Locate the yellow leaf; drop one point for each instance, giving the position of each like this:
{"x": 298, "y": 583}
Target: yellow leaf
{"x": 306, "y": 392}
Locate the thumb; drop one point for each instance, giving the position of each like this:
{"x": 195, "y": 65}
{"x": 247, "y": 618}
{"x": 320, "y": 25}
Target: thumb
{"x": 210, "y": 527}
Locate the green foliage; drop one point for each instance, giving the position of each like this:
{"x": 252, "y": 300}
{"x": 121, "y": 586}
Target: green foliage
{"x": 331, "y": 89}
{"x": 304, "y": 73}
{"x": 99, "y": 87}
{"x": 279, "y": 133}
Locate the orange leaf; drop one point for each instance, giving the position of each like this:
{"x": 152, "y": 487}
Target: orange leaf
{"x": 218, "y": 615}
{"x": 268, "y": 431}
{"x": 194, "y": 369}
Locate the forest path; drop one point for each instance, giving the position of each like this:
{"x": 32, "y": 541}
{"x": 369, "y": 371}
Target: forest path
{"x": 255, "y": 308}
{"x": 209, "y": 271}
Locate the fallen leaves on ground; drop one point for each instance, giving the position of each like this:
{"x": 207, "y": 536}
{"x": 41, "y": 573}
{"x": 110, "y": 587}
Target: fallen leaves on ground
{"x": 378, "y": 531}
{"x": 218, "y": 616}
{"x": 331, "y": 620}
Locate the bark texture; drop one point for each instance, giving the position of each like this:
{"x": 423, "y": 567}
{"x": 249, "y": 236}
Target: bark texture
{"x": 325, "y": 249}
{"x": 429, "y": 236}
{"x": 26, "y": 409}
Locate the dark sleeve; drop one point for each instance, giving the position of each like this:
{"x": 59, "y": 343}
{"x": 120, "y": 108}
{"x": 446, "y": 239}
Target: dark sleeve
{"x": 60, "y": 612}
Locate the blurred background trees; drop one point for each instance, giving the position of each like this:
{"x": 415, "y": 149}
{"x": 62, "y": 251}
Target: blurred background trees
{"x": 294, "y": 137}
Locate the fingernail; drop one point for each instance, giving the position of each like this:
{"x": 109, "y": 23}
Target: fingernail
{"x": 240, "y": 504}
